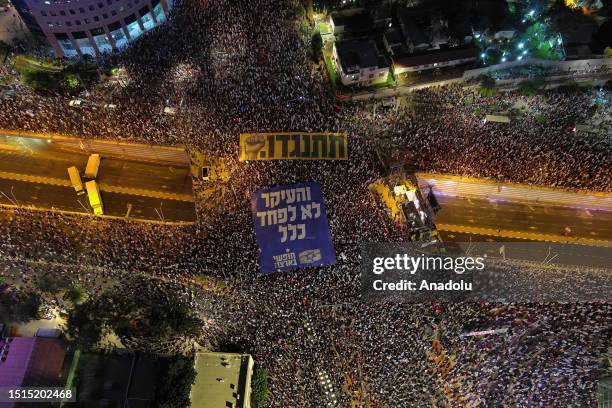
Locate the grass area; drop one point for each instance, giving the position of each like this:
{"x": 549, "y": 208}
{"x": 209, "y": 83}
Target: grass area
{"x": 25, "y": 65}
{"x": 47, "y": 75}
{"x": 540, "y": 119}
{"x": 324, "y": 28}
{"x": 334, "y": 78}
{"x": 70, "y": 380}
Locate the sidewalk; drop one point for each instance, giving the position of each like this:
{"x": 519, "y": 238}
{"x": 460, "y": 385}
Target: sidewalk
{"x": 552, "y": 81}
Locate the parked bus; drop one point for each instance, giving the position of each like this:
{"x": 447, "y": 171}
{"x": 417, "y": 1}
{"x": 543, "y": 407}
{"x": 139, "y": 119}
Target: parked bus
{"x": 93, "y": 192}
{"x": 75, "y": 179}
{"x": 93, "y": 165}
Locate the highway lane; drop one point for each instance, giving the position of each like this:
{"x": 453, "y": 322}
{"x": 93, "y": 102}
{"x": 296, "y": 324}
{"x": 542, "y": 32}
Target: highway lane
{"x": 38, "y": 157}
{"x": 35, "y": 170}
{"x": 531, "y": 218}
{"x": 537, "y": 252}
{"x": 63, "y": 198}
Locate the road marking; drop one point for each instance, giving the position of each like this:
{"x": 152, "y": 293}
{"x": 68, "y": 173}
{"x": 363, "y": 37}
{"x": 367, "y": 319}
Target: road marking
{"x": 34, "y": 179}
{"x": 527, "y": 235}
{"x": 104, "y": 187}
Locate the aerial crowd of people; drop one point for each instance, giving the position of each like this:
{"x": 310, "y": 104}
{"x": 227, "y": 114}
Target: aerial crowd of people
{"x": 237, "y": 66}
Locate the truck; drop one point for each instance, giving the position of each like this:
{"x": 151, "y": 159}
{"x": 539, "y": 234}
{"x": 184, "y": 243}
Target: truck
{"x": 95, "y": 200}
{"x": 93, "y": 165}
{"x": 75, "y": 179}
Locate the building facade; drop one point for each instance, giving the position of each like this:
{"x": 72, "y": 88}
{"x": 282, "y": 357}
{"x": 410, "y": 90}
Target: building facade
{"x": 79, "y": 27}
{"x": 434, "y": 59}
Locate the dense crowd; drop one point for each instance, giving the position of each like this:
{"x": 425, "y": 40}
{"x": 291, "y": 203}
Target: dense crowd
{"x": 237, "y": 66}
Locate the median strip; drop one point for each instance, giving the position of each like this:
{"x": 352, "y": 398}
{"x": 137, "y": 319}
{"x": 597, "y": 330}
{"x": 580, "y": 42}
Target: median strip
{"x": 531, "y": 236}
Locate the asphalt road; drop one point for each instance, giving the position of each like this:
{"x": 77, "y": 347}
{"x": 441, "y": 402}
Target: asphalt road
{"x": 530, "y": 218}
{"x": 145, "y": 185}
{"x": 524, "y": 250}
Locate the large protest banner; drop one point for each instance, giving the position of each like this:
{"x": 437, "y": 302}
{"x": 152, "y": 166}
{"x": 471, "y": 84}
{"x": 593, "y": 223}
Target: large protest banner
{"x": 291, "y": 227}
{"x": 293, "y": 146}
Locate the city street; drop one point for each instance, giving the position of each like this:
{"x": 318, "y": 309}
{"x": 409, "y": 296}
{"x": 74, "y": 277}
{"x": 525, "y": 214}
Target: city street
{"x": 33, "y": 173}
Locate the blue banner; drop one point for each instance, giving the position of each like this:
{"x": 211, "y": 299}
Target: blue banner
{"x": 291, "y": 227}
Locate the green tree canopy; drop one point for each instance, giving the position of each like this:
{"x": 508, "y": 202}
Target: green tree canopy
{"x": 487, "y": 86}
{"x": 259, "y": 387}
{"x": 175, "y": 383}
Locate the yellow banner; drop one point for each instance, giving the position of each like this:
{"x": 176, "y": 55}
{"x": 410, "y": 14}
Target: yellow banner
{"x": 293, "y": 146}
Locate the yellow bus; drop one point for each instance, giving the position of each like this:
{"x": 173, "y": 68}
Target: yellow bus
{"x": 93, "y": 192}
{"x": 93, "y": 164}
{"x": 75, "y": 179}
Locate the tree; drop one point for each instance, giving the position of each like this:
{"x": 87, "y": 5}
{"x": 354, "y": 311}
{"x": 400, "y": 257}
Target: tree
{"x": 87, "y": 323}
{"x": 532, "y": 87}
{"x": 259, "y": 387}
{"x": 50, "y": 284}
{"x": 487, "y": 86}
{"x": 602, "y": 38}
{"x": 156, "y": 319}
{"x": 27, "y": 307}
{"x": 72, "y": 82}
{"x": 299, "y": 11}
{"x": 18, "y": 305}
{"x": 317, "y": 46}
{"x": 174, "y": 387}
{"x": 75, "y": 294}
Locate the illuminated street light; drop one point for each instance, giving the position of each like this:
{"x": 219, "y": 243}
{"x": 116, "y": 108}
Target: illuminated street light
{"x": 521, "y": 45}
{"x": 483, "y": 55}
{"x": 503, "y": 59}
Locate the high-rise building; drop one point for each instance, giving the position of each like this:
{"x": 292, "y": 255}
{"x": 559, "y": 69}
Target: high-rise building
{"x": 78, "y": 27}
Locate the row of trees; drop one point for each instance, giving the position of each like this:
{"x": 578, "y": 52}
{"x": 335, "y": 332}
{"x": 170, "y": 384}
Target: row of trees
{"x": 145, "y": 317}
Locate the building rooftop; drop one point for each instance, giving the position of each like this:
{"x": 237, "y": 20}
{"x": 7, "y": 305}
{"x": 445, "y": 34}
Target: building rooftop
{"x": 222, "y": 380}
{"x": 122, "y": 380}
{"x": 356, "y": 54}
{"x": 30, "y": 361}
{"x": 357, "y": 23}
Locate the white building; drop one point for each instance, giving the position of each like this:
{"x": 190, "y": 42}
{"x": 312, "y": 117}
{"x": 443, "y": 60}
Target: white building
{"x": 360, "y": 62}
